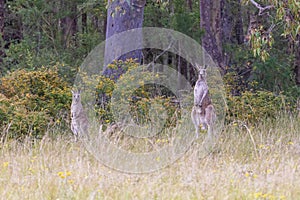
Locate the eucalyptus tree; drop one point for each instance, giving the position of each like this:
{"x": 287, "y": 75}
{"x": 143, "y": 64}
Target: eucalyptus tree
{"x": 211, "y": 22}
{"x": 282, "y": 15}
{"x": 2, "y": 7}
{"x": 122, "y": 16}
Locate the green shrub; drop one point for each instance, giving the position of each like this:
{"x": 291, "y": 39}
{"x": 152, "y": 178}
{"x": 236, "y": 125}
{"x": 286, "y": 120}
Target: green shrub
{"x": 248, "y": 101}
{"x": 139, "y": 100}
{"x": 31, "y": 101}
{"x": 146, "y": 100}
{"x": 255, "y": 106}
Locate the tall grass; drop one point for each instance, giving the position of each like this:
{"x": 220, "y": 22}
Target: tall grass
{"x": 248, "y": 162}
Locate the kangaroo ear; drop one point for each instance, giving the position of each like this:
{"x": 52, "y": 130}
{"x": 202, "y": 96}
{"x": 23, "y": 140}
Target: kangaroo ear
{"x": 72, "y": 91}
{"x": 198, "y": 66}
{"x": 205, "y": 66}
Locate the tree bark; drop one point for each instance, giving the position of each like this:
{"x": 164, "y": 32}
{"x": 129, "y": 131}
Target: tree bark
{"x": 210, "y": 14}
{"x": 2, "y": 10}
{"x": 227, "y": 21}
{"x": 239, "y": 25}
{"x": 121, "y": 17}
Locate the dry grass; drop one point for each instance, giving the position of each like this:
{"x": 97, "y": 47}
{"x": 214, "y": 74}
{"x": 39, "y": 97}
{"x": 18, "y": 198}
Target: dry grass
{"x": 260, "y": 162}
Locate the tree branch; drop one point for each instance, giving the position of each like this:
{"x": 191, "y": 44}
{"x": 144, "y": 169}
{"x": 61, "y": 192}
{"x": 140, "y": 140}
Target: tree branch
{"x": 261, "y": 9}
{"x": 170, "y": 45}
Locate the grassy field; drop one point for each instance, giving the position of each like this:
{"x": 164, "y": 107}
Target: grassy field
{"x": 261, "y": 162}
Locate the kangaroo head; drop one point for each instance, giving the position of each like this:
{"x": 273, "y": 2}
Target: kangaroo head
{"x": 76, "y": 96}
{"x": 202, "y": 72}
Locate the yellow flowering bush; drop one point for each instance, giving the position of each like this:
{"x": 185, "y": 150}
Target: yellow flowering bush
{"x": 255, "y": 106}
{"x": 249, "y": 103}
{"x": 123, "y": 88}
{"x": 31, "y": 101}
{"x": 146, "y": 100}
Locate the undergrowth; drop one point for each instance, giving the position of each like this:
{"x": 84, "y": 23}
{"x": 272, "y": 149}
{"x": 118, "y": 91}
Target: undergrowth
{"x": 248, "y": 162}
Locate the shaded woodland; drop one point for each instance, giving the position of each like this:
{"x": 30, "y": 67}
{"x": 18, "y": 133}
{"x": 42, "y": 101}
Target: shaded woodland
{"x": 256, "y": 151}
{"x": 254, "y": 43}
{"x": 41, "y": 33}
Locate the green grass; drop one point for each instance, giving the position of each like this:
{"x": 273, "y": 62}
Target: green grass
{"x": 259, "y": 162}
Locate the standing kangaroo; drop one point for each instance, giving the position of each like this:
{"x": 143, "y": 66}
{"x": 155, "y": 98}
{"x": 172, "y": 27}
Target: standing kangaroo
{"x": 203, "y": 112}
{"x": 201, "y": 93}
{"x": 79, "y": 123}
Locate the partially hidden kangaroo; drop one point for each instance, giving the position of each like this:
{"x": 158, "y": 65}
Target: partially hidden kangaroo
{"x": 79, "y": 123}
{"x": 203, "y": 112}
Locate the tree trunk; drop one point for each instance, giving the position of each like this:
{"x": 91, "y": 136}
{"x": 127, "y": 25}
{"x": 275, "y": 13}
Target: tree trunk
{"x": 227, "y": 21}
{"x": 239, "y": 25}
{"x": 123, "y": 17}
{"x": 210, "y": 14}
{"x": 69, "y": 22}
{"x": 232, "y": 22}
{"x": 2, "y": 9}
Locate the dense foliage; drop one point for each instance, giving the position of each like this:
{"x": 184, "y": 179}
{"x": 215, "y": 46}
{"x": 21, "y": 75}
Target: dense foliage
{"x": 259, "y": 47}
{"x": 33, "y": 101}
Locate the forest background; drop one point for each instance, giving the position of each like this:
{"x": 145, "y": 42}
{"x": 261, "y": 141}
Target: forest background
{"x": 43, "y": 43}
{"x": 255, "y": 45}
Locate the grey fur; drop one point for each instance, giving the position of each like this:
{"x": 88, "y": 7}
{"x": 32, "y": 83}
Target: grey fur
{"x": 203, "y": 112}
{"x": 79, "y": 119}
